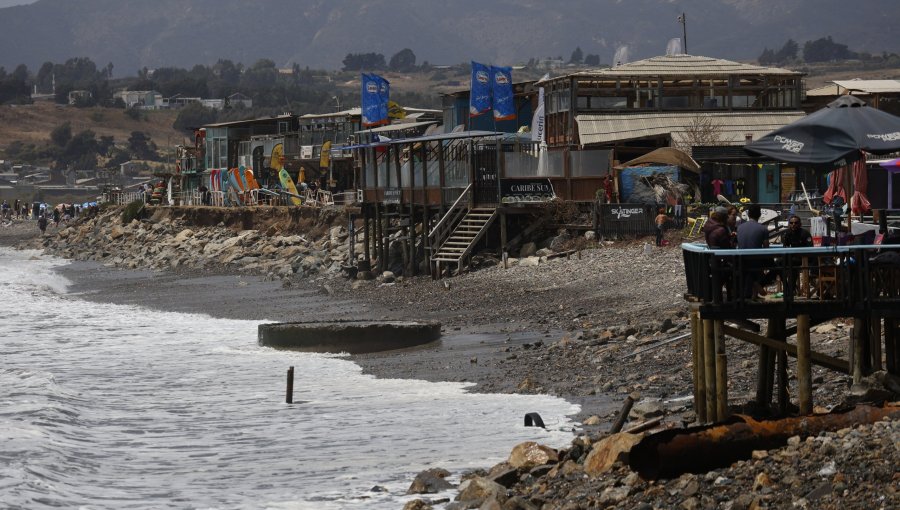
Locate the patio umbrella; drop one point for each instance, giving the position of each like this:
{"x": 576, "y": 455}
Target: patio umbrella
{"x": 833, "y": 136}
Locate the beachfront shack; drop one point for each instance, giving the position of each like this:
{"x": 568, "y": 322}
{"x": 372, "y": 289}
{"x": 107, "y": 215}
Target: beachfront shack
{"x": 707, "y": 107}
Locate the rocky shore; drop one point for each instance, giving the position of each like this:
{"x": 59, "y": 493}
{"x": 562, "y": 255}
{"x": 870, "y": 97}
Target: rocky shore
{"x": 595, "y": 327}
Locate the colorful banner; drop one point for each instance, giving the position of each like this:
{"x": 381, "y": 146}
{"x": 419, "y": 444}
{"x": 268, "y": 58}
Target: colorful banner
{"x": 480, "y": 94}
{"x": 537, "y": 121}
{"x": 375, "y": 95}
{"x": 501, "y": 85}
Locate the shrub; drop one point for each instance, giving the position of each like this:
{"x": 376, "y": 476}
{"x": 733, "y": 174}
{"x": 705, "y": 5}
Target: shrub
{"x": 133, "y": 211}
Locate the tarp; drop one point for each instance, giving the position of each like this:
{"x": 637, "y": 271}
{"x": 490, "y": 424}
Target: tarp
{"x": 633, "y": 191}
{"x": 832, "y": 136}
{"x": 664, "y": 156}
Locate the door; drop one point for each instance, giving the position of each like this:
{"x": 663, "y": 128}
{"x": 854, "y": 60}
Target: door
{"x": 487, "y": 185}
{"x": 769, "y": 185}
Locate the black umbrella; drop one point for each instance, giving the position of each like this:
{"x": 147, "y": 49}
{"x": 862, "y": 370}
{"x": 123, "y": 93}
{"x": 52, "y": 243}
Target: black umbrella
{"x": 832, "y": 136}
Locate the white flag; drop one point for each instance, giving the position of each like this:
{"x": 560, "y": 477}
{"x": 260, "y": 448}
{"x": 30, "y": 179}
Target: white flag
{"x": 537, "y": 120}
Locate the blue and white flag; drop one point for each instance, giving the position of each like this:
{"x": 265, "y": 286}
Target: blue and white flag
{"x": 480, "y": 95}
{"x": 375, "y": 95}
{"x": 501, "y": 85}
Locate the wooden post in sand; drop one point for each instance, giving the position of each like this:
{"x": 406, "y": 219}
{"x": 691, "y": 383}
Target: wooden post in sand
{"x": 709, "y": 367}
{"x": 721, "y": 372}
{"x": 699, "y": 379}
{"x": 804, "y": 367}
{"x": 875, "y": 343}
{"x": 289, "y": 391}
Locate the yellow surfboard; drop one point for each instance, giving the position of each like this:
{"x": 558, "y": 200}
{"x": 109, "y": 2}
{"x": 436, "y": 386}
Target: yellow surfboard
{"x": 277, "y": 163}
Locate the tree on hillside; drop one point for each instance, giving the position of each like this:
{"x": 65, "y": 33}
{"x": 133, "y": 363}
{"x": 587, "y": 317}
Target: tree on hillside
{"x": 14, "y": 87}
{"x": 786, "y": 54}
{"x": 364, "y": 62}
{"x": 193, "y": 116}
{"x": 577, "y": 56}
{"x": 826, "y": 50}
{"x": 141, "y": 146}
{"x": 403, "y": 61}
{"x": 61, "y": 134}
{"x": 592, "y": 60}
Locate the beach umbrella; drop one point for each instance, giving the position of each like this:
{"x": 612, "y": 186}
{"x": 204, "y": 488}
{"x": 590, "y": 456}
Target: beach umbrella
{"x": 837, "y": 136}
{"x": 833, "y": 136}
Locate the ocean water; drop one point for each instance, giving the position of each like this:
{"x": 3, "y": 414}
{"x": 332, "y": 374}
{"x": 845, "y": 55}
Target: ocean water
{"x": 111, "y": 406}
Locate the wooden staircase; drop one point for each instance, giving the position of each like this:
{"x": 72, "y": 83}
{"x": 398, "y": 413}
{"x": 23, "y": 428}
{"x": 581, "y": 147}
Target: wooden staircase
{"x": 462, "y": 239}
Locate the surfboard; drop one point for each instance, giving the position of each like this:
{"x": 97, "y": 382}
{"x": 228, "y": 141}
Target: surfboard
{"x": 288, "y": 185}
{"x": 242, "y": 175}
{"x": 251, "y": 180}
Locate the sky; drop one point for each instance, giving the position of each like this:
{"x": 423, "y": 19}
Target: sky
{"x": 10, "y": 3}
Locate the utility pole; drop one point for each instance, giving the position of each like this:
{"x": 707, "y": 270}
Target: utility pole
{"x": 683, "y": 20}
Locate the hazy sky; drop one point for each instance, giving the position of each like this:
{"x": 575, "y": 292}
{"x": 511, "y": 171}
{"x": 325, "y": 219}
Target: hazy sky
{"x": 8, "y": 3}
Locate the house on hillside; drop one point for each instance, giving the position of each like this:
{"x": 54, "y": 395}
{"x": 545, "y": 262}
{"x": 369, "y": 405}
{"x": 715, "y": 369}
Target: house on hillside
{"x": 144, "y": 99}
{"x": 237, "y": 100}
{"x": 79, "y": 96}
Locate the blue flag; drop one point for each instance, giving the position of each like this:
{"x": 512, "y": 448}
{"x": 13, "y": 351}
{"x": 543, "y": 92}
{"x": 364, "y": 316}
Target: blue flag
{"x": 375, "y": 95}
{"x": 501, "y": 84}
{"x": 480, "y": 95}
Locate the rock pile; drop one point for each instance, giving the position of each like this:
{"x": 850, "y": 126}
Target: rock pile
{"x": 849, "y": 468}
{"x": 171, "y": 244}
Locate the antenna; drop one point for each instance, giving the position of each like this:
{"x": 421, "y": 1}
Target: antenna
{"x": 683, "y": 20}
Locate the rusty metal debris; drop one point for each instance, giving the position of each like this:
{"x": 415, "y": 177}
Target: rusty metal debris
{"x": 670, "y": 453}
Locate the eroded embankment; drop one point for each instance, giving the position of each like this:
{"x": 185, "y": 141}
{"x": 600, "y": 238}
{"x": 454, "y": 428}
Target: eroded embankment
{"x": 273, "y": 241}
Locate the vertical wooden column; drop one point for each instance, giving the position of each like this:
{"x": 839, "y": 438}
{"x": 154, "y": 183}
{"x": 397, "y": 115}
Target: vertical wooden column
{"x": 379, "y": 239}
{"x": 890, "y": 345}
{"x": 699, "y": 368}
{"x": 804, "y": 367}
{"x": 502, "y": 234}
{"x": 875, "y": 343}
{"x": 366, "y": 223}
{"x": 783, "y": 395}
{"x": 721, "y": 372}
{"x": 709, "y": 367}
{"x": 857, "y": 338}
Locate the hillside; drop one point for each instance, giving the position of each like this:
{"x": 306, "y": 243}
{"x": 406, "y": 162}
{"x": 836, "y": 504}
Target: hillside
{"x": 320, "y": 33}
{"x": 33, "y": 123}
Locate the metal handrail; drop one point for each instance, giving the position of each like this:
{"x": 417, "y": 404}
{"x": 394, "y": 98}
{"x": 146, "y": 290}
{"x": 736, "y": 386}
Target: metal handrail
{"x": 453, "y": 208}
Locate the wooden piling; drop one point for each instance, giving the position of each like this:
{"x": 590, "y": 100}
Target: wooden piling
{"x": 804, "y": 366}
{"x": 890, "y": 345}
{"x": 699, "y": 369}
{"x": 289, "y": 391}
{"x": 783, "y": 396}
{"x": 623, "y": 415}
{"x": 857, "y": 336}
{"x": 875, "y": 344}
{"x": 709, "y": 367}
{"x": 721, "y": 372}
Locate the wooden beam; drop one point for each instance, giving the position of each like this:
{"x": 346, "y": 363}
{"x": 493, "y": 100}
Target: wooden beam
{"x": 709, "y": 367}
{"x": 721, "y": 372}
{"x": 823, "y": 360}
{"x": 804, "y": 367}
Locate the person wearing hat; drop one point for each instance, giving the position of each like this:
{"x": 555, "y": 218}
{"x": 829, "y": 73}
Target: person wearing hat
{"x": 715, "y": 231}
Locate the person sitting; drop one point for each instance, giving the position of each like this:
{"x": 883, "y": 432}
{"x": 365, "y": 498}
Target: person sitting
{"x": 796, "y": 236}
{"x": 715, "y": 232}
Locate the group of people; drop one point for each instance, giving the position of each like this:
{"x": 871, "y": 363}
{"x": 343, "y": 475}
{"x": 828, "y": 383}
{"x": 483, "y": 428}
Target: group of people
{"x": 726, "y": 230}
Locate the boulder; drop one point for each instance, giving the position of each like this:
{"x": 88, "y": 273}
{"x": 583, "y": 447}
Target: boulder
{"x": 479, "y": 489}
{"x": 430, "y": 481}
{"x": 530, "y": 454}
{"x": 646, "y": 409}
{"x": 116, "y": 232}
{"x": 608, "y": 450}
{"x": 417, "y": 504}
{"x": 183, "y": 235}
{"x": 530, "y": 262}
{"x": 527, "y": 250}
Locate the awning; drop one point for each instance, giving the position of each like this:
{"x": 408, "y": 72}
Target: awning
{"x": 733, "y": 127}
{"x": 403, "y": 126}
{"x": 665, "y": 156}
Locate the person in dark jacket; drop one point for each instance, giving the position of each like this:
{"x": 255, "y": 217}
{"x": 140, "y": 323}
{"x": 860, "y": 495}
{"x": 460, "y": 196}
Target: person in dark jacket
{"x": 715, "y": 230}
{"x": 796, "y": 236}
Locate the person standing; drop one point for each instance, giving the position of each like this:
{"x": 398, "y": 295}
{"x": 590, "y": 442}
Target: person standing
{"x": 661, "y": 220}
{"x": 42, "y": 224}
